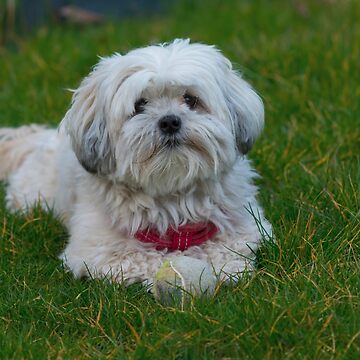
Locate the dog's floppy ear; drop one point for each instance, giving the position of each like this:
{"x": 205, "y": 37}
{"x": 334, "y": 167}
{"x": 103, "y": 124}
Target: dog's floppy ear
{"x": 86, "y": 124}
{"x": 246, "y": 110}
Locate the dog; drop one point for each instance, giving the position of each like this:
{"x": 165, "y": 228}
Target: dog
{"x": 149, "y": 162}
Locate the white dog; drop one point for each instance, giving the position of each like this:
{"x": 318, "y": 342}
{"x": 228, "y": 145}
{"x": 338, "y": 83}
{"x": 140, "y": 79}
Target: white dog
{"x": 149, "y": 162}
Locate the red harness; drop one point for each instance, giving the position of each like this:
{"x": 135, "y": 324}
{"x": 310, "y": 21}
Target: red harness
{"x": 178, "y": 239}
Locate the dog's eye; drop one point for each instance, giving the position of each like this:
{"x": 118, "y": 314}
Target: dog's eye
{"x": 191, "y": 101}
{"x": 140, "y": 106}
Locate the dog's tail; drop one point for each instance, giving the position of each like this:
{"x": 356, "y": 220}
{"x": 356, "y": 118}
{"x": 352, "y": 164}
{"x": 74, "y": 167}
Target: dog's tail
{"x": 15, "y": 145}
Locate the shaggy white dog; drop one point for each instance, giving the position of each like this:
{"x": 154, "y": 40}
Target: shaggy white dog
{"x": 149, "y": 162}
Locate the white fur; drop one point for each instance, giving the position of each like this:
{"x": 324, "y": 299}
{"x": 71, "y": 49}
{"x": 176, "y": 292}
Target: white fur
{"x": 130, "y": 179}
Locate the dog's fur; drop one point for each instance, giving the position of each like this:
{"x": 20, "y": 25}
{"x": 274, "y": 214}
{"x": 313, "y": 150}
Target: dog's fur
{"x": 109, "y": 171}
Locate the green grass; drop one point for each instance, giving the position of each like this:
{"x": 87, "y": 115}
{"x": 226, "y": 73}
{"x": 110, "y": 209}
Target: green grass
{"x": 303, "y": 301}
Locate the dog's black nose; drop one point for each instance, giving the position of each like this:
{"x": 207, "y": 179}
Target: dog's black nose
{"x": 170, "y": 124}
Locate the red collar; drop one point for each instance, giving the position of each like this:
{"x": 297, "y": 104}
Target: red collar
{"x": 178, "y": 239}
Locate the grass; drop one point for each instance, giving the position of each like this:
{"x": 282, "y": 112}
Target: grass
{"x": 303, "y": 301}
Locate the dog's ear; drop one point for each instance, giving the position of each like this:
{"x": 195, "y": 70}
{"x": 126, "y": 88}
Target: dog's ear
{"x": 246, "y": 110}
{"x": 86, "y": 123}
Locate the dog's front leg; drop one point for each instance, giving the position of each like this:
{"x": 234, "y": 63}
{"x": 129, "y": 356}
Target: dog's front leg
{"x": 97, "y": 250}
{"x": 232, "y": 255}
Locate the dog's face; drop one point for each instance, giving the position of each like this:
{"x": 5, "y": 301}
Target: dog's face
{"x": 163, "y": 117}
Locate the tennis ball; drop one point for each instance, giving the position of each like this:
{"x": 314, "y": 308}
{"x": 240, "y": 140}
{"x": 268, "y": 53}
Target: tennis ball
{"x": 182, "y": 277}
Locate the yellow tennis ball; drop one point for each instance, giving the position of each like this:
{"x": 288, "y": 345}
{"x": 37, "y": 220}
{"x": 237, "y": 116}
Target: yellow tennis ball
{"x": 182, "y": 277}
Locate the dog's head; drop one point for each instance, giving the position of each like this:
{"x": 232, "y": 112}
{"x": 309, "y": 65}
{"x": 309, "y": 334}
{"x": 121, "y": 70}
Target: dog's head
{"x": 162, "y": 117}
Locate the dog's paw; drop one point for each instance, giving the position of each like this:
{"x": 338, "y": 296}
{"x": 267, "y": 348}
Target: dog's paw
{"x": 232, "y": 271}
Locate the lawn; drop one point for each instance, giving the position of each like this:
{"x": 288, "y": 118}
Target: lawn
{"x": 303, "y": 302}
